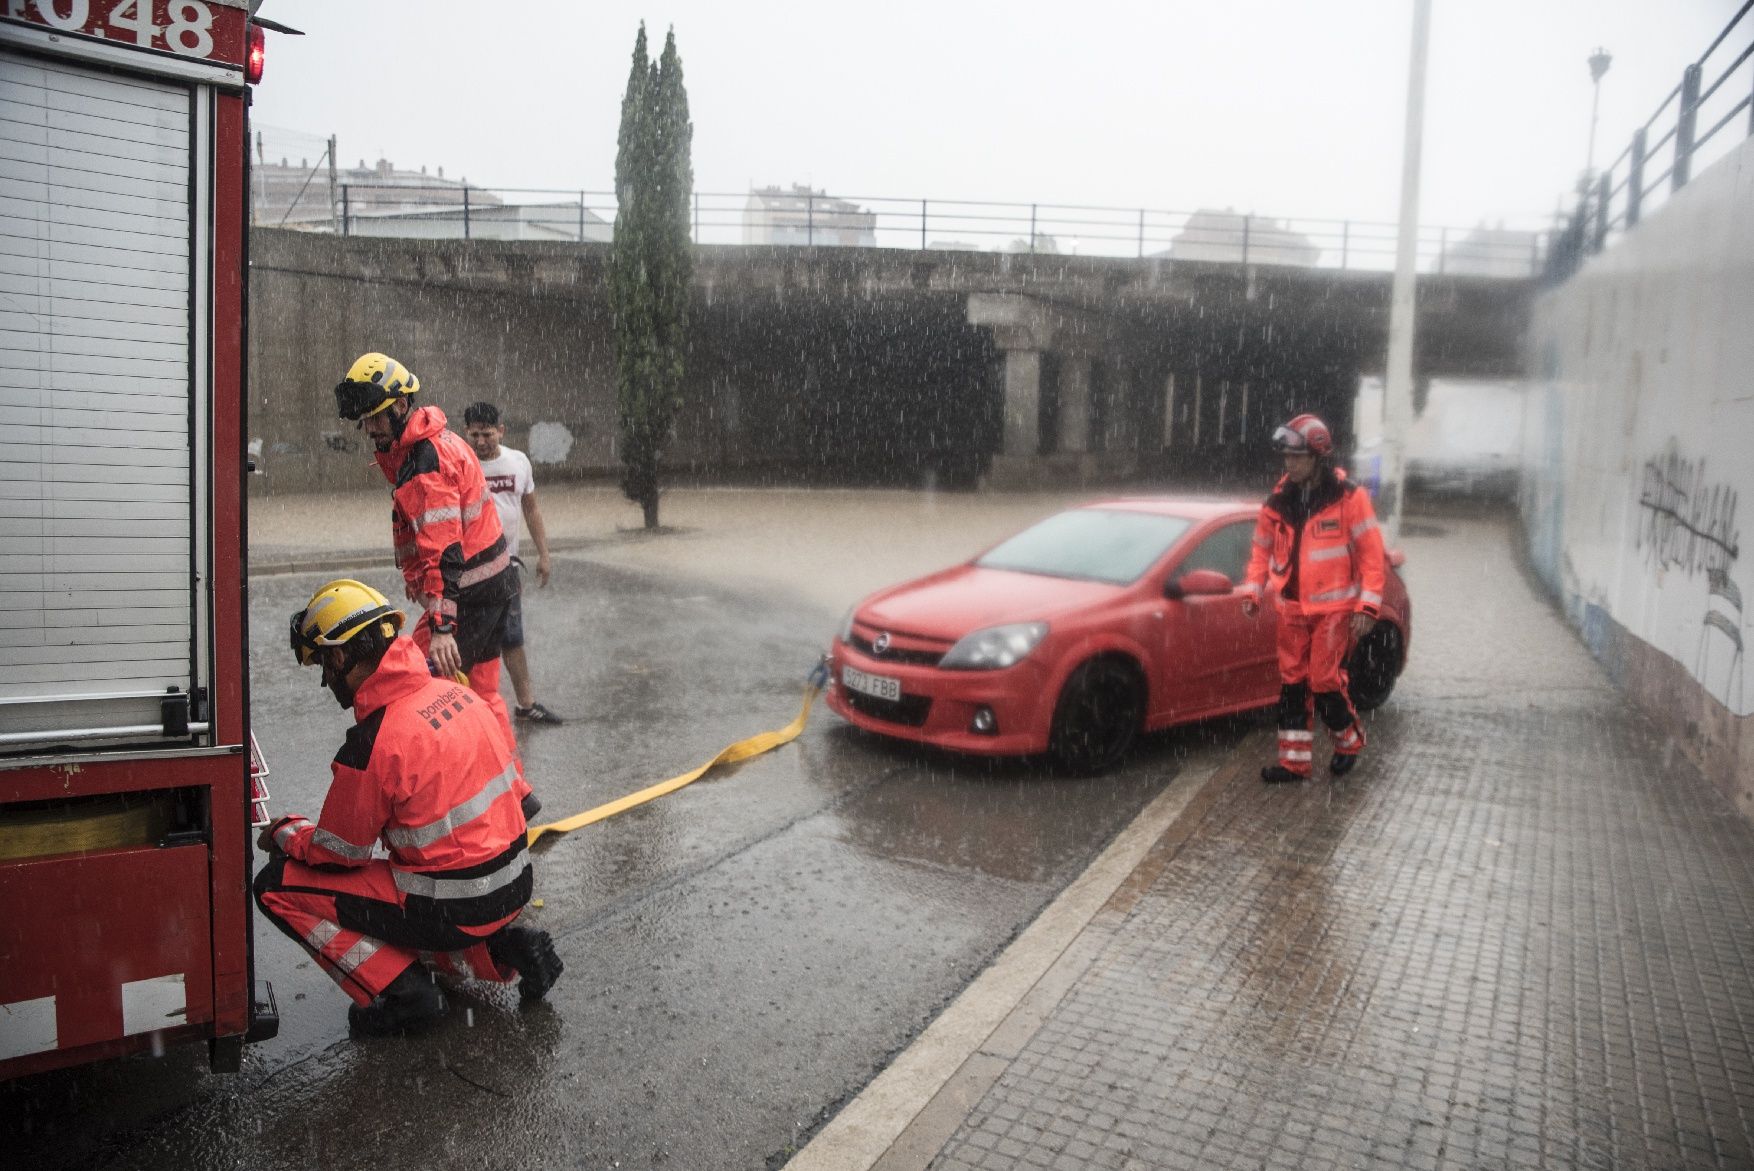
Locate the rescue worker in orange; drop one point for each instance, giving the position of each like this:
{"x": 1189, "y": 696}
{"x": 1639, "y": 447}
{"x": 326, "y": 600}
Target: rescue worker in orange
{"x": 1318, "y": 548}
{"x": 449, "y": 545}
{"x": 426, "y": 772}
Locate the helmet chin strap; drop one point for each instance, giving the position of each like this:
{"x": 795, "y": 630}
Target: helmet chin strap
{"x": 337, "y": 683}
{"x": 398, "y": 424}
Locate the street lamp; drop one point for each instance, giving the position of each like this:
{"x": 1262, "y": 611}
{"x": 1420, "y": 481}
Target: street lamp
{"x": 1599, "y": 62}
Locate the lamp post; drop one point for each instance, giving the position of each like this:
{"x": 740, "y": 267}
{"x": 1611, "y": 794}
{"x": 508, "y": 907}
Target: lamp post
{"x": 1599, "y": 62}
{"x": 1398, "y": 383}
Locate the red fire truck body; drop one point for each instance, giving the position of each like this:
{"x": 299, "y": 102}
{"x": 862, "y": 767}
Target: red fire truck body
{"x": 125, "y": 751}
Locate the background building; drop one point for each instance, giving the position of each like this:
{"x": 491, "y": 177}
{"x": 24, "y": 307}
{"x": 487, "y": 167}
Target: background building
{"x": 805, "y": 216}
{"x": 1225, "y": 236}
{"x": 287, "y": 196}
{"x": 1498, "y": 251}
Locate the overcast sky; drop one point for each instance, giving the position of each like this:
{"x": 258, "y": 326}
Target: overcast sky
{"x": 1282, "y": 107}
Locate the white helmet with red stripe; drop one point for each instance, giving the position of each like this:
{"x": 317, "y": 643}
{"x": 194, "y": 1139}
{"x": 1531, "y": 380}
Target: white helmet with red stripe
{"x": 1304, "y": 435}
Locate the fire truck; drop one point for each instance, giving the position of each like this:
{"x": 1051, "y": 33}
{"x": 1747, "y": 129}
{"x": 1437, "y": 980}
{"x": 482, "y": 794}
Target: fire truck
{"x": 127, "y": 782}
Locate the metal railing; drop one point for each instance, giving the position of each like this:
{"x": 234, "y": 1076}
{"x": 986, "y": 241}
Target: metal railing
{"x": 1627, "y": 189}
{"x": 814, "y": 219}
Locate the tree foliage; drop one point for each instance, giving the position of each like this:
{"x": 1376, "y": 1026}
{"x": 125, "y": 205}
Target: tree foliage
{"x": 652, "y": 264}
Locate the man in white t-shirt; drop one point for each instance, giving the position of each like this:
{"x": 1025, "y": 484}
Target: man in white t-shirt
{"x": 512, "y": 485}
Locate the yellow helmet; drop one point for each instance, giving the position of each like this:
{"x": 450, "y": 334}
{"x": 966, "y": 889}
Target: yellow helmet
{"x": 338, "y": 613}
{"x": 373, "y": 382}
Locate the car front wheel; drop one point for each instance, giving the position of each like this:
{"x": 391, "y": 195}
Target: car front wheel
{"x": 1374, "y": 666}
{"x": 1099, "y": 713}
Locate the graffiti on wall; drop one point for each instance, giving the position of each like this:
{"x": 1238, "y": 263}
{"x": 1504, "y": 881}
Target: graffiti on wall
{"x": 1688, "y": 523}
{"x": 1688, "y": 520}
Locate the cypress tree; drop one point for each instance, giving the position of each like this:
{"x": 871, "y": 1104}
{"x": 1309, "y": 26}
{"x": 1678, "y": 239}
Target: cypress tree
{"x": 652, "y": 264}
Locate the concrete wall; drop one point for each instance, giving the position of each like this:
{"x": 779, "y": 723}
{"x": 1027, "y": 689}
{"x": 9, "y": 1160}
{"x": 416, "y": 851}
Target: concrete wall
{"x": 849, "y": 365}
{"x": 835, "y": 387}
{"x": 1638, "y": 444}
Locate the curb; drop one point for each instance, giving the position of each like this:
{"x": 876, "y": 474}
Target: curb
{"x": 906, "y": 1113}
{"x": 376, "y": 558}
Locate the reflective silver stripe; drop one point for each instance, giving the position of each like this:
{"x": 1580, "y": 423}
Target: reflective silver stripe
{"x": 1263, "y": 541}
{"x": 1363, "y": 526}
{"x": 340, "y": 847}
{"x": 470, "y": 512}
{"x": 356, "y": 955}
{"x": 1298, "y": 736}
{"x": 433, "y": 516}
{"x": 416, "y": 836}
{"x": 1289, "y": 754}
{"x": 1371, "y": 597}
{"x": 319, "y": 936}
{"x": 283, "y": 835}
{"x": 1330, "y": 553}
{"x": 435, "y": 886}
{"x": 1350, "y": 591}
{"x": 1252, "y": 588}
{"x": 443, "y": 606}
{"x": 481, "y": 573}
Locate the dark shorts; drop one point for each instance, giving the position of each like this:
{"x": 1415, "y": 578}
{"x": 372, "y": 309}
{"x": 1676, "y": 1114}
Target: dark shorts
{"x": 481, "y": 632}
{"x": 514, "y": 624}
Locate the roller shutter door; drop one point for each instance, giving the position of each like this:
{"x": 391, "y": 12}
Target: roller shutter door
{"x": 97, "y": 417}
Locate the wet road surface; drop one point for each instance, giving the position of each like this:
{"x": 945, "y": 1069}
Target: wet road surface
{"x": 741, "y": 956}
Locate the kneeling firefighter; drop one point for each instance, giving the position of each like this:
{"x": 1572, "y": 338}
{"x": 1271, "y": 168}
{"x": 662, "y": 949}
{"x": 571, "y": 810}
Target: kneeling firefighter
{"x": 427, "y": 771}
{"x": 1317, "y": 545}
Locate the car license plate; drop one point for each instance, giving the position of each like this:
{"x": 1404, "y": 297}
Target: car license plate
{"x": 880, "y": 686}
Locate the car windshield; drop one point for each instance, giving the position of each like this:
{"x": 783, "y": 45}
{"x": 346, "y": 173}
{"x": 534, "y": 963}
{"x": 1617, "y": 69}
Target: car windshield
{"x": 1091, "y": 544}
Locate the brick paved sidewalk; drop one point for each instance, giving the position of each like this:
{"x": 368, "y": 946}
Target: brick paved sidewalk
{"x": 1519, "y": 935}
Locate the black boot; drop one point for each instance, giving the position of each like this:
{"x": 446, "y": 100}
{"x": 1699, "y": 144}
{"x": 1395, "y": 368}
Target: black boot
{"x": 1342, "y": 763}
{"x": 1278, "y": 774}
{"x": 532, "y": 954}
{"x": 411, "y": 1000}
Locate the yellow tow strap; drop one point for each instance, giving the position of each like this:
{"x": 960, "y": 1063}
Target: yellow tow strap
{"x": 735, "y": 754}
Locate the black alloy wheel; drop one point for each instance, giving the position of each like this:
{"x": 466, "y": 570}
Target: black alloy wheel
{"x": 1374, "y": 666}
{"x": 1099, "y": 713}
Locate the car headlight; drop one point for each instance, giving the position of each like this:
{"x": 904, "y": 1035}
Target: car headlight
{"x": 995, "y": 647}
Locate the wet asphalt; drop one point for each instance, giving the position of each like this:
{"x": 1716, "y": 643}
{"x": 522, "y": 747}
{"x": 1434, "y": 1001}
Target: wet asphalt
{"x": 742, "y": 956}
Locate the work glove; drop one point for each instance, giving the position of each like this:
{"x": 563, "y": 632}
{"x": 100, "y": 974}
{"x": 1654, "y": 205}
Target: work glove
{"x": 265, "y": 840}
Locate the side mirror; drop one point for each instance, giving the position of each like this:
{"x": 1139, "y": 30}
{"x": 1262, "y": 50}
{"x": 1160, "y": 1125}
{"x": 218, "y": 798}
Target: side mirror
{"x": 1198, "y": 583}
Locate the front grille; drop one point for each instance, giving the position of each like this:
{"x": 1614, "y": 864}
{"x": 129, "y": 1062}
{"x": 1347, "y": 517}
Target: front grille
{"x": 895, "y": 654}
{"x": 910, "y": 710}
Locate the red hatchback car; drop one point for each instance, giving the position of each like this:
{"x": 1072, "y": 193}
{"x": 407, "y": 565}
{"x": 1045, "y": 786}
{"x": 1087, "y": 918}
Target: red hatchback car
{"x": 1080, "y": 632}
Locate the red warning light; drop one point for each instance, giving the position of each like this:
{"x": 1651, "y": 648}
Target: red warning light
{"x": 258, "y": 54}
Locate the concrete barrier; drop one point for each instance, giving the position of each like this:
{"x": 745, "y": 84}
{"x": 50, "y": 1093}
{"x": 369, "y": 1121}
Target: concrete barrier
{"x": 1638, "y": 443}
{"x": 835, "y": 366}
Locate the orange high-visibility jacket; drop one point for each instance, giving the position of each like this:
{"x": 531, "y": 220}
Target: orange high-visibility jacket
{"x": 1340, "y": 563}
{"x": 425, "y": 770}
{"x": 449, "y": 545}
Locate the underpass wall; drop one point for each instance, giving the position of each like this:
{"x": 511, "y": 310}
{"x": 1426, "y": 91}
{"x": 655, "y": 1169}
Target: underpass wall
{"x": 1638, "y": 445}
{"x": 837, "y": 387}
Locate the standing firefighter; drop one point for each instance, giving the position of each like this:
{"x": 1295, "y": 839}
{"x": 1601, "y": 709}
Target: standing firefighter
{"x": 449, "y": 546}
{"x": 1318, "y": 546}
{"x": 425, "y": 771}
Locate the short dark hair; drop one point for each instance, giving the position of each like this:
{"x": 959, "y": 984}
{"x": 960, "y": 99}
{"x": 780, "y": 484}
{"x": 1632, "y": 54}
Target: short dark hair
{"x": 483, "y": 412}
